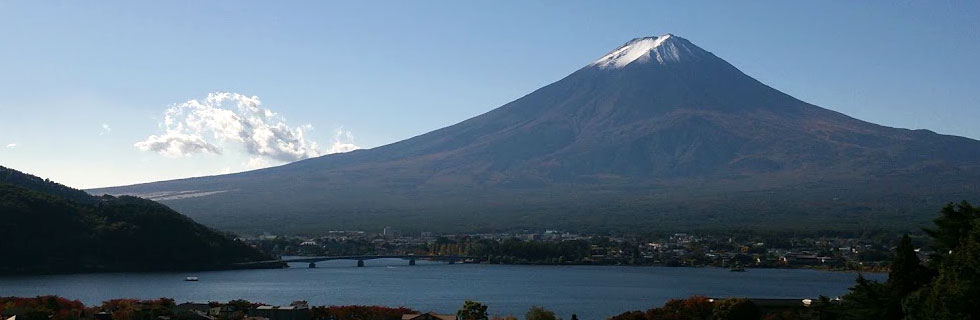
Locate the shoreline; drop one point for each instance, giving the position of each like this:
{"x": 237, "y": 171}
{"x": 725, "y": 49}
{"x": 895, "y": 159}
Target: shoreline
{"x": 258, "y": 265}
{"x": 819, "y": 268}
{"x": 278, "y": 264}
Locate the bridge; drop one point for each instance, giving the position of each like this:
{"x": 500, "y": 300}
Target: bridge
{"x": 360, "y": 259}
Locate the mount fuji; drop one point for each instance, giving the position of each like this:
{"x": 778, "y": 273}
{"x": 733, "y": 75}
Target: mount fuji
{"x": 658, "y": 134}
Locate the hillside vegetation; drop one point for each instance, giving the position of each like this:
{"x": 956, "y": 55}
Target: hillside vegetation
{"x": 50, "y": 228}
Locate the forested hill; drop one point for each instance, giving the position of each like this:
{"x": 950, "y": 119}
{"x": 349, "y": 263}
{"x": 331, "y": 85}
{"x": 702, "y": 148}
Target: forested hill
{"x": 51, "y": 228}
{"x": 17, "y": 178}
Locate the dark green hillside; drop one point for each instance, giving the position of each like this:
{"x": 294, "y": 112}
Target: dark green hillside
{"x": 46, "y": 186}
{"x": 49, "y": 228}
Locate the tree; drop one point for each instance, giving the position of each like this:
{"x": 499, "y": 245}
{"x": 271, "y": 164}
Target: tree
{"x": 358, "y": 313}
{"x": 866, "y": 300}
{"x": 539, "y": 313}
{"x": 242, "y": 304}
{"x": 693, "y": 308}
{"x": 952, "y": 226}
{"x": 630, "y": 315}
{"x": 574, "y": 317}
{"x": 949, "y": 288}
{"x": 736, "y": 309}
{"x": 823, "y": 309}
{"x": 472, "y": 310}
{"x": 955, "y": 293}
{"x": 907, "y": 273}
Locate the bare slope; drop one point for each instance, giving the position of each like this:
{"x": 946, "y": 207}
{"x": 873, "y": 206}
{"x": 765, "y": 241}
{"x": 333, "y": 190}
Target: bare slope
{"x": 658, "y": 134}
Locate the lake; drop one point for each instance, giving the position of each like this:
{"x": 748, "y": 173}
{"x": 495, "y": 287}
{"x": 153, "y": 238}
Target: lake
{"x": 593, "y": 292}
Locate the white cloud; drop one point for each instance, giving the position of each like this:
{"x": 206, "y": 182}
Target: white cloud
{"x": 105, "y": 129}
{"x": 256, "y": 163}
{"x": 207, "y": 126}
{"x": 343, "y": 141}
{"x": 11, "y": 145}
{"x": 177, "y": 144}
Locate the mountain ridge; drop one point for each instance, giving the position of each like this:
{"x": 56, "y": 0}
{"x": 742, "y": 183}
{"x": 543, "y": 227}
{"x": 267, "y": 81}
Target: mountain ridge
{"x": 51, "y": 228}
{"x": 652, "y": 138}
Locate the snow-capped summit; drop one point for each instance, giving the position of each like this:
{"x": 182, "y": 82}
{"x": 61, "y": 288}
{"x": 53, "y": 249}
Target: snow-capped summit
{"x": 664, "y": 49}
{"x": 657, "y": 134}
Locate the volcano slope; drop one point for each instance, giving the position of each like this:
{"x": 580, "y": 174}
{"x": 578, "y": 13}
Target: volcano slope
{"x": 659, "y": 134}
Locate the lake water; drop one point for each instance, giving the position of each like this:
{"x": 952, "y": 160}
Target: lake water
{"x": 593, "y": 292}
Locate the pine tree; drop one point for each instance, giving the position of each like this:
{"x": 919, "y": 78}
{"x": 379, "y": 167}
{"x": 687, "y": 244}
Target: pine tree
{"x": 867, "y": 299}
{"x": 952, "y": 227}
{"x": 955, "y": 293}
{"x": 907, "y": 273}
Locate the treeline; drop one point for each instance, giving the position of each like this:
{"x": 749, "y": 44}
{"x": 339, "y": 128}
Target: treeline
{"x": 57, "y": 308}
{"x": 703, "y": 308}
{"x": 359, "y": 313}
{"x": 32, "y": 182}
{"x": 946, "y": 287}
{"x": 50, "y": 228}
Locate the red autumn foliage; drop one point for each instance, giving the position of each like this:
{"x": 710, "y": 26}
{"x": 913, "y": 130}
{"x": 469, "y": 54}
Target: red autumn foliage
{"x": 135, "y": 309}
{"x": 359, "y": 313}
{"x": 693, "y": 308}
{"x": 56, "y": 308}
{"x": 41, "y": 307}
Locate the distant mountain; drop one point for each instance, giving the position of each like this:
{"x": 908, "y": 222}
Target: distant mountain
{"x": 658, "y": 134}
{"x": 50, "y": 228}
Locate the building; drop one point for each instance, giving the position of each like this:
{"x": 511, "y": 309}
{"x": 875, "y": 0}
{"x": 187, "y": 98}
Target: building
{"x": 428, "y": 316}
{"x": 198, "y": 311}
{"x": 297, "y": 312}
{"x": 226, "y": 312}
{"x": 390, "y": 233}
{"x": 191, "y": 306}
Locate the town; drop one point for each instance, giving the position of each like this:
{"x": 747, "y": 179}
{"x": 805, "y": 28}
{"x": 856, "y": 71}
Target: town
{"x": 867, "y": 252}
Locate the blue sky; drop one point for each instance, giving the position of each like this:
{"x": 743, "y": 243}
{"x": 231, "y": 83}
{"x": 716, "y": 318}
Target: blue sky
{"x": 81, "y": 83}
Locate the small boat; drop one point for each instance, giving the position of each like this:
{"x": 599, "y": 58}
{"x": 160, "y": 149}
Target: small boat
{"x": 737, "y": 269}
{"x": 190, "y": 279}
